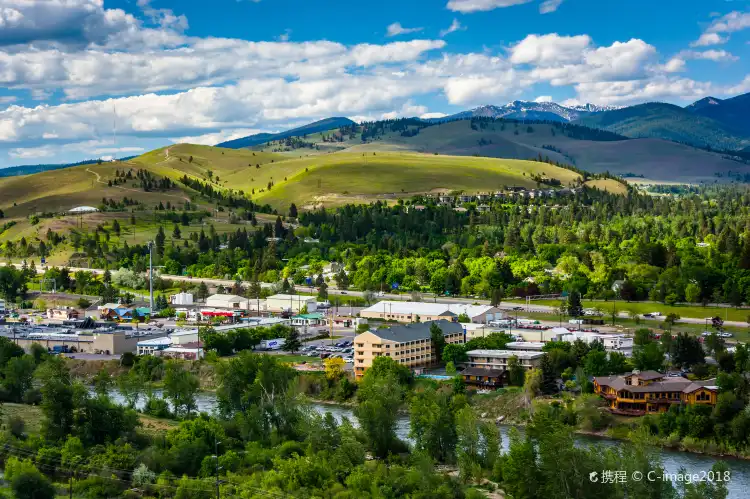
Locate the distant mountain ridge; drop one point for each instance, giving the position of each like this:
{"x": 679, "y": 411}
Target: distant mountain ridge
{"x": 14, "y": 171}
{"x": 530, "y": 110}
{"x": 733, "y": 113}
{"x": 261, "y": 138}
{"x": 689, "y": 125}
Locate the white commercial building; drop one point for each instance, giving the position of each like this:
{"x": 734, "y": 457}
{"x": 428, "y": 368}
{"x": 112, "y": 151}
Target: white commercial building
{"x": 227, "y": 302}
{"x": 479, "y": 330}
{"x": 412, "y": 311}
{"x": 181, "y": 299}
{"x": 612, "y": 342}
{"x": 291, "y": 303}
{"x": 149, "y": 347}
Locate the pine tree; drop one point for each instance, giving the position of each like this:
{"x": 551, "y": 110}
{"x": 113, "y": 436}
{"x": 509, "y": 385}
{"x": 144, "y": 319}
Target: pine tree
{"x": 176, "y": 234}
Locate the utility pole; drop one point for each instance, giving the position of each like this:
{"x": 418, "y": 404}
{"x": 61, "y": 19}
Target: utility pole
{"x": 151, "y": 275}
{"x": 216, "y": 456}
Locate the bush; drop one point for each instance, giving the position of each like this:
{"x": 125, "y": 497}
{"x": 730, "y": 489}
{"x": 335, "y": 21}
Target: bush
{"x": 17, "y": 427}
{"x": 158, "y": 408}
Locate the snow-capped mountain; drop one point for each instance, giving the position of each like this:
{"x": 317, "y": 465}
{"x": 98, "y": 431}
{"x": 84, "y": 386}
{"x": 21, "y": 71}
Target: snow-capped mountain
{"x": 527, "y": 110}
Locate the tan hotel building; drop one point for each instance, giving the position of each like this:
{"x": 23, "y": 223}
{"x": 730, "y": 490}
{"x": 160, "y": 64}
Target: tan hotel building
{"x": 410, "y": 345}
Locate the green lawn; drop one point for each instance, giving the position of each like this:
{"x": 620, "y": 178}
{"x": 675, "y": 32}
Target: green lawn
{"x": 740, "y": 333}
{"x": 692, "y": 311}
{"x": 298, "y": 359}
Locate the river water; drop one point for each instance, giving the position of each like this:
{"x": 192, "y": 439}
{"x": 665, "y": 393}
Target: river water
{"x": 673, "y": 461}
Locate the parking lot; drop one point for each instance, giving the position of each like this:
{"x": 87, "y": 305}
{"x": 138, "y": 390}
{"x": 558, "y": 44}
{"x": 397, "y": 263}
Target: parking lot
{"x": 341, "y": 348}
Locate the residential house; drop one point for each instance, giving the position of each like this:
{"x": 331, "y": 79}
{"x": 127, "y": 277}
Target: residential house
{"x": 642, "y": 392}
{"x": 482, "y": 377}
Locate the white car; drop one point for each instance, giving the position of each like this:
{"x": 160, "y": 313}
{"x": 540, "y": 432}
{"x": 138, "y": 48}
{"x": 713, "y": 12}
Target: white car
{"x": 655, "y": 314}
{"x": 725, "y": 335}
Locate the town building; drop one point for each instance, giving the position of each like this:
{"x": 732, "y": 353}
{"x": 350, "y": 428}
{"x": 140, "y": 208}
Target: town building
{"x": 473, "y": 330}
{"x": 527, "y": 346}
{"x": 153, "y": 345}
{"x": 291, "y": 303}
{"x": 498, "y": 359}
{"x": 642, "y": 392}
{"x": 410, "y": 345}
{"x": 227, "y": 302}
{"x": 108, "y": 343}
{"x": 309, "y": 320}
{"x": 192, "y": 351}
{"x": 412, "y": 311}
{"x": 181, "y": 299}
{"x": 482, "y": 377}
{"x": 63, "y": 314}
{"x": 2, "y": 306}
{"x": 612, "y": 342}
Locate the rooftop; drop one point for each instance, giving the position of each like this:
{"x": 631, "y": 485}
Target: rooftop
{"x": 665, "y": 384}
{"x": 156, "y": 342}
{"x": 504, "y": 353}
{"x": 291, "y": 297}
{"x": 525, "y": 345}
{"x": 416, "y": 331}
{"x": 422, "y": 308}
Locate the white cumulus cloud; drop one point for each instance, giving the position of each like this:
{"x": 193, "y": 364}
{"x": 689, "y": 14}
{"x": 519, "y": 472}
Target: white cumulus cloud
{"x": 396, "y": 29}
{"x": 549, "y": 6}
{"x": 467, "y": 6}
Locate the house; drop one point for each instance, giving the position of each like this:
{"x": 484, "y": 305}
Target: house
{"x": 230, "y": 302}
{"x": 314, "y": 319}
{"x": 498, "y": 359}
{"x": 483, "y": 208}
{"x": 482, "y": 377}
{"x": 410, "y": 345}
{"x": 121, "y": 313}
{"x": 642, "y": 392}
{"x": 181, "y": 299}
{"x": 411, "y": 311}
{"x": 291, "y": 303}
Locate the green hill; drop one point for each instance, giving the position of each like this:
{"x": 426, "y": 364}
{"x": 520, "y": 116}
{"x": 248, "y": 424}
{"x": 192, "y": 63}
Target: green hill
{"x": 593, "y": 150}
{"x": 669, "y": 122}
{"x": 733, "y": 113}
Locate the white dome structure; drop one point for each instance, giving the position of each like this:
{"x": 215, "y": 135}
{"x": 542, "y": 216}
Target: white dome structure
{"x": 83, "y": 209}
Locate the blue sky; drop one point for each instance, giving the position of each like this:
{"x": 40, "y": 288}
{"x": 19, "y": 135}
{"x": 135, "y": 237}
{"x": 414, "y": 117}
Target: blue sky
{"x": 163, "y": 71}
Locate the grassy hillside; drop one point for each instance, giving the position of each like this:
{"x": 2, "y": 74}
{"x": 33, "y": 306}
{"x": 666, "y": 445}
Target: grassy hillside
{"x": 657, "y": 160}
{"x": 345, "y": 177}
{"x": 666, "y": 121}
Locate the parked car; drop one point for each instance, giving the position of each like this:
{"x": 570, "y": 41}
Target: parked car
{"x": 725, "y": 335}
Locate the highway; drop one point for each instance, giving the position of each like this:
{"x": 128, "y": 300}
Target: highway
{"x": 426, "y": 297}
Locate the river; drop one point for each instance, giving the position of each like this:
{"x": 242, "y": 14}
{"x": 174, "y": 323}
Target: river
{"x": 672, "y": 460}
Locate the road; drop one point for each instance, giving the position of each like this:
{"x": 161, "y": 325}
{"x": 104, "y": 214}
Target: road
{"x": 332, "y": 290}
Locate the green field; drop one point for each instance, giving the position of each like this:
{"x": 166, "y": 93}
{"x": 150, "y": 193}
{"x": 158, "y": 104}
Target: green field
{"x": 691, "y": 311}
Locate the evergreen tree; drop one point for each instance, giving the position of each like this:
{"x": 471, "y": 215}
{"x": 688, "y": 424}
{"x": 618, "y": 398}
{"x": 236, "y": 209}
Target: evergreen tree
{"x": 575, "y": 309}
